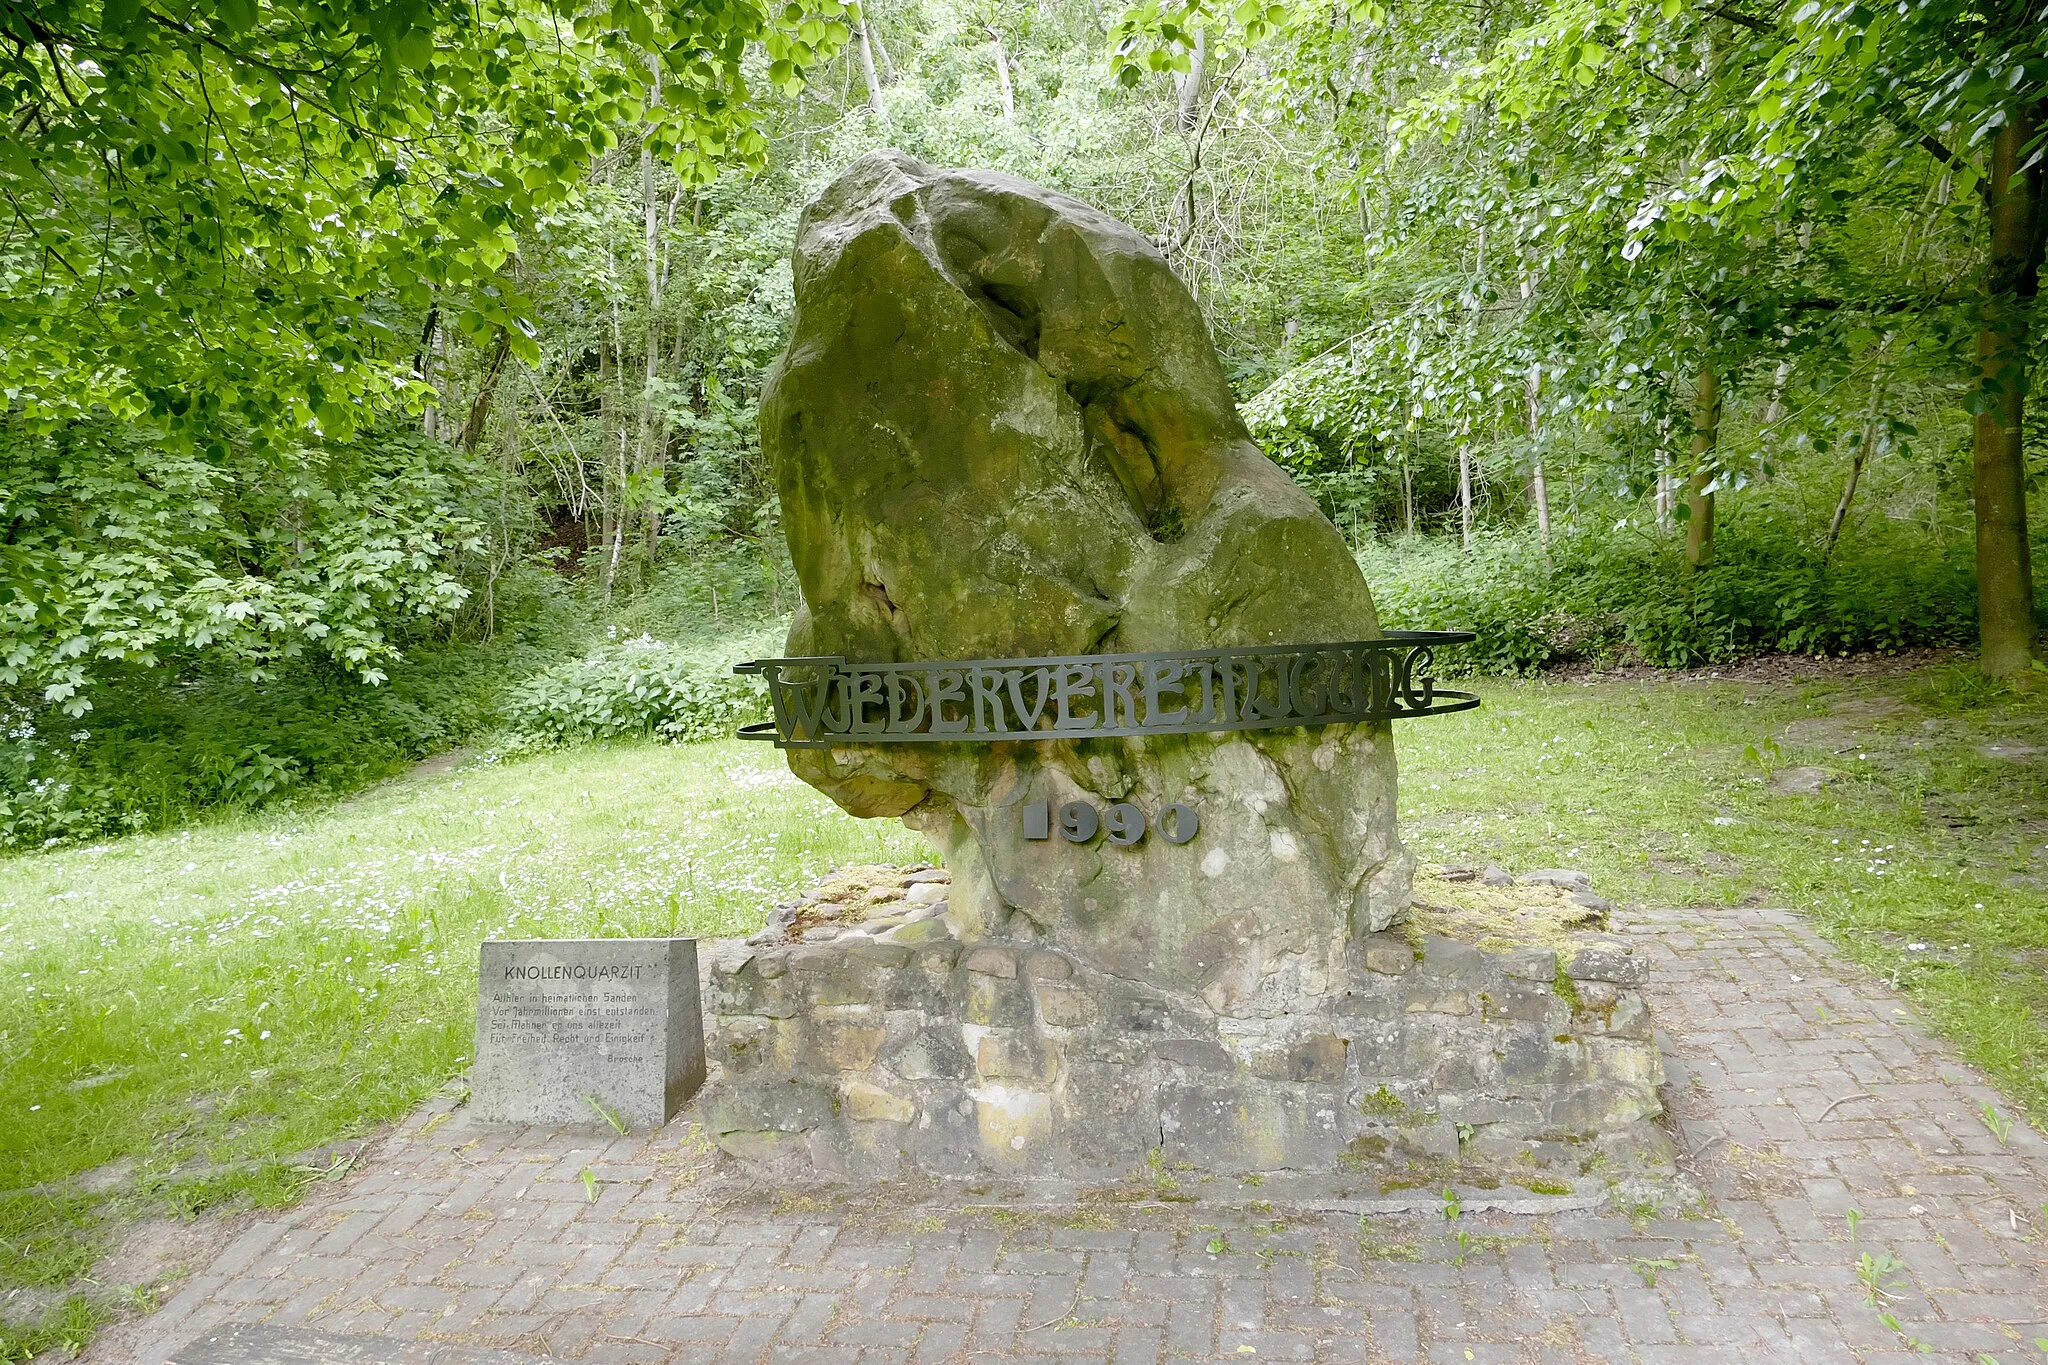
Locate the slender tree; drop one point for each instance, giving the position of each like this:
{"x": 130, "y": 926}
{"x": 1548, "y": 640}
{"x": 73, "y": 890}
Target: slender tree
{"x": 1699, "y": 485}
{"x": 2005, "y": 571}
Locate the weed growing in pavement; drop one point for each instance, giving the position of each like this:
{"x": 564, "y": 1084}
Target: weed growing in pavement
{"x": 1913, "y": 1343}
{"x": 1453, "y": 1210}
{"x": 1648, "y": 1266}
{"x": 1878, "y": 1271}
{"x": 609, "y": 1115}
{"x": 1375, "y": 1245}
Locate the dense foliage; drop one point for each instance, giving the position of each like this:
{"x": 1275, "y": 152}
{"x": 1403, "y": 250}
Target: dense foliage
{"x": 640, "y": 687}
{"x": 1612, "y": 220}
{"x": 1603, "y": 598}
{"x": 404, "y": 347}
{"x": 237, "y": 236}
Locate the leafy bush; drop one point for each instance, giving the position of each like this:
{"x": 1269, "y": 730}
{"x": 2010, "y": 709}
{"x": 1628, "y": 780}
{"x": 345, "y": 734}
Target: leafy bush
{"x": 162, "y": 745}
{"x": 640, "y": 686}
{"x": 1612, "y": 597}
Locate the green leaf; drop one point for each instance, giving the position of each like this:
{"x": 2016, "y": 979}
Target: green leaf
{"x": 412, "y": 49}
{"x": 118, "y": 16}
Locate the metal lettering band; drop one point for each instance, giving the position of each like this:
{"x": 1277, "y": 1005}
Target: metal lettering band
{"x": 820, "y": 703}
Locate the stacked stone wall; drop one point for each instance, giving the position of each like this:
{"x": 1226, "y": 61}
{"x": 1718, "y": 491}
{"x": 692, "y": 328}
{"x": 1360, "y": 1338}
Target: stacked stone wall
{"x": 872, "y": 1058}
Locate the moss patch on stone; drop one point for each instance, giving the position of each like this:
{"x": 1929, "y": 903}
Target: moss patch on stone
{"x": 1382, "y": 1101}
{"x": 1498, "y": 918}
{"x": 1567, "y": 990}
{"x": 862, "y": 893}
{"x": 1362, "y": 1153}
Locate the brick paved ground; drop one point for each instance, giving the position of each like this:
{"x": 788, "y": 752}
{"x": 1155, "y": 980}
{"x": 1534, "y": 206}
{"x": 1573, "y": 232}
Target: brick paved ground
{"x": 1800, "y": 1090}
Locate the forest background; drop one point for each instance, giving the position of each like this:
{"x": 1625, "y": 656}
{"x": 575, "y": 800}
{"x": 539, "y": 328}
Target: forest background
{"x": 382, "y": 377}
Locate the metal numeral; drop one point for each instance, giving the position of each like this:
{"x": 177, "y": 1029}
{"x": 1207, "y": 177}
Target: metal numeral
{"x": 1079, "y": 822}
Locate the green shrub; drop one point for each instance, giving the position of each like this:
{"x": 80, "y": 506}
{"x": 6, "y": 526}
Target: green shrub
{"x": 1611, "y": 596}
{"x": 162, "y": 745}
{"x": 641, "y": 686}
{"x": 165, "y": 744}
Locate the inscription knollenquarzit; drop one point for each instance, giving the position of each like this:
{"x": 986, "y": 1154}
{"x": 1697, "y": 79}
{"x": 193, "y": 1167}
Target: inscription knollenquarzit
{"x": 823, "y": 702}
{"x": 587, "y": 1030}
{"x": 577, "y": 971}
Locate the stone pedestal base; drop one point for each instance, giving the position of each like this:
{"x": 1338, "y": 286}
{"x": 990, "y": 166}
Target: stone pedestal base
{"x": 872, "y": 1058}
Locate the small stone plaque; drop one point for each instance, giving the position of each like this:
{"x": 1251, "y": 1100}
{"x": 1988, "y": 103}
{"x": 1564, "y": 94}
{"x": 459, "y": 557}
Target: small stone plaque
{"x": 566, "y": 1025}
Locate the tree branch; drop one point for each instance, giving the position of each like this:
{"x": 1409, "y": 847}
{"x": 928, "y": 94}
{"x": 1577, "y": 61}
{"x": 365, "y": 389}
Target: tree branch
{"x": 1748, "y": 21}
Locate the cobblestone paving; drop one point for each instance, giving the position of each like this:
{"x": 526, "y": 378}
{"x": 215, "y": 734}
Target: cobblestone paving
{"x": 1800, "y": 1091}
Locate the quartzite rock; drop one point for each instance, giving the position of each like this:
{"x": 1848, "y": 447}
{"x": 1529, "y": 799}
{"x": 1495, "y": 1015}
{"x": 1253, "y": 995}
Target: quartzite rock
{"x": 1000, "y": 431}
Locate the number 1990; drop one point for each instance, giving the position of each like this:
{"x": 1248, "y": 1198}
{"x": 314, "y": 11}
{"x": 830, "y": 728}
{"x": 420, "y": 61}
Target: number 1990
{"x": 1079, "y": 821}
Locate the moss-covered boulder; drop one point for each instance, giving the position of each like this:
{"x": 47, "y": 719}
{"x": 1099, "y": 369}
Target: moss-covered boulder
{"x": 1001, "y": 430}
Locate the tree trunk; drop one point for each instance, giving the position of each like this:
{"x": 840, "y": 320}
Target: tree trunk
{"x": 1666, "y": 485}
{"x": 1009, "y": 95}
{"x": 1699, "y": 497}
{"x": 2005, "y": 573}
{"x": 505, "y": 542}
{"x": 653, "y": 446}
{"x": 1465, "y": 482}
{"x": 1188, "y": 104}
{"x": 882, "y": 51}
{"x": 618, "y": 467}
{"x": 423, "y": 369}
{"x": 436, "y": 375}
{"x": 607, "y": 424}
{"x": 480, "y": 407}
{"x": 1774, "y": 411}
{"x": 1407, "y": 493}
{"x": 867, "y": 70}
{"x": 1865, "y": 440}
{"x": 1538, "y": 486}
{"x": 1827, "y": 551}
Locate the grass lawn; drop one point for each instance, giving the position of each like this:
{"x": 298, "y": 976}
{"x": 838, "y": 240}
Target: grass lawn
{"x": 1924, "y": 855}
{"x": 183, "y": 1015}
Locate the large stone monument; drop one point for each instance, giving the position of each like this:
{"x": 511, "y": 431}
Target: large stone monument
{"x": 1003, "y": 441}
